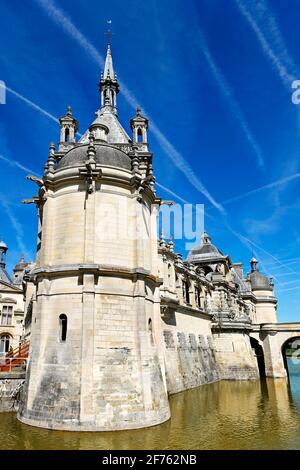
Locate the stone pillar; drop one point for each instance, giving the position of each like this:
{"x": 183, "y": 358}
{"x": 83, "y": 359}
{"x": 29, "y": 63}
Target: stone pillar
{"x": 273, "y": 356}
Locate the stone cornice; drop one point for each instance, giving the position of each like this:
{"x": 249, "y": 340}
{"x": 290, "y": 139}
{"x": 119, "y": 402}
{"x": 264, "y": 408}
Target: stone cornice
{"x": 93, "y": 268}
{"x": 173, "y": 306}
{"x": 265, "y": 300}
{"x": 105, "y": 175}
{"x": 279, "y": 327}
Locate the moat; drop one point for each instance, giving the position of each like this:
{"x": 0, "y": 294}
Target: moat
{"x": 222, "y": 415}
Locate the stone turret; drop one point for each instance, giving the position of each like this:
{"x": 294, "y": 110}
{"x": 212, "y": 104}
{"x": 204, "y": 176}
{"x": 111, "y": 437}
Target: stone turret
{"x": 3, "y": 250}
{"x": 96, "y": 359}
{"x": 263, "y": 289}
{"x": 19, "y": 271}
{"x": 4, "y": 276}
{"x": 68, "y": 129}
{"x": 139, "y": 126}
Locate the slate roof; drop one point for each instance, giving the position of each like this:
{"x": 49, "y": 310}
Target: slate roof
{"x": 105, "y": 155}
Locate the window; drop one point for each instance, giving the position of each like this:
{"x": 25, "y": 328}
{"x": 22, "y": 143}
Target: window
{"x": 67, "y": 135}
{"x": 63, "y": 324}
{"x": 4, "y": 344}
{"x": 150, "y": 330}
{"x": 6, "y": 318}
{"x": 186, "y": 291}
{"x": 170, "y": 275}
{"x": 197, "y": 296}
{"x": 139, "y": 136}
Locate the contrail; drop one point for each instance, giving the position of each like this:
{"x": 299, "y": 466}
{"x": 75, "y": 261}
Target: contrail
{"x": 16, "y": 225}
{"x": 57, "y": 15}
{"x": 32, "y": 104}
{"x": 229, "y": 96}
{"x": 274, "y": 184}
{"x": 15, "y": 163}
{"x": 251, "y": 243}
{"x": 290, "y": 289}
{"x": 275, "y": 49}
{"x": 244, "y": 240}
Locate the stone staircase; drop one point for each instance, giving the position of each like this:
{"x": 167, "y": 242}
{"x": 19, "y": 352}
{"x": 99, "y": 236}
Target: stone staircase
{"x": 15, "y": 359}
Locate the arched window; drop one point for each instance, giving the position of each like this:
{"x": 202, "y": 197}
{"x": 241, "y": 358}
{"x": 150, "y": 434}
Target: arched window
{"x": 4, "y": 344}
{"x": 67, "y": 135}
{"x": 139, "y": 135}
{"x": 63, "y": 325}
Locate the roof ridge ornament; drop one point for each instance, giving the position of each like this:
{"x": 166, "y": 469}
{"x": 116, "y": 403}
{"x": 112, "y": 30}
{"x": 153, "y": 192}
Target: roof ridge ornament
{"x": 205, "y": 238}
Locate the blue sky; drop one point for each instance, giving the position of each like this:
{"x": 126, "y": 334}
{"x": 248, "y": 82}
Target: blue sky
{"x": 214, "y": 76}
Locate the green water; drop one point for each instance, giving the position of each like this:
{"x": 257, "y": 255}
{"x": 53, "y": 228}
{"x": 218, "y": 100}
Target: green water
{"x": 224, "y": 415}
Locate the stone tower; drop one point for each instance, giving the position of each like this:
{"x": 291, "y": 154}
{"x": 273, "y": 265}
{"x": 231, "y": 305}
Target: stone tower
{"x": 96, "y": 362}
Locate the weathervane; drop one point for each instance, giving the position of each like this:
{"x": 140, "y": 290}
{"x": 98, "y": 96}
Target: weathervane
{"x": 109, "y": 22}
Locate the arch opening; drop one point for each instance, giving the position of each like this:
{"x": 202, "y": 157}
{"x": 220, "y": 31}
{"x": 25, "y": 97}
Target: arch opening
{"x": 139, "y": 136}
{"x": 291, "y": 355}
{"x": 259, "y": 354}
{"x": 67, "y": 135}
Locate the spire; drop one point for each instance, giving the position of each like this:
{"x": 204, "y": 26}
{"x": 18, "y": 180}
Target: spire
{"x": 108, "y": 85}
{"x": 108, "y": 67}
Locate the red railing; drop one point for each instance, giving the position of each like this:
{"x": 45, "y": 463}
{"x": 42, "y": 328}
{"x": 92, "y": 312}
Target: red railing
{"x": 15, "y": 357}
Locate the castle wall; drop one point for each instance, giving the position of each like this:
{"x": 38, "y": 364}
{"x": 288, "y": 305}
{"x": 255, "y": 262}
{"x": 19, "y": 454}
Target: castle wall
{"x": 10, "y": 385}
{"x": 189, "y": 352}
{"x": 234, "y": 356}
{"x": 107, "y": 374}
{"x": 265, "y": 312}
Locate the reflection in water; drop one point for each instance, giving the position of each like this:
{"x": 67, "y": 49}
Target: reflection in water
{"x": 294, "y": 375}
{"x": 223, "y": 415}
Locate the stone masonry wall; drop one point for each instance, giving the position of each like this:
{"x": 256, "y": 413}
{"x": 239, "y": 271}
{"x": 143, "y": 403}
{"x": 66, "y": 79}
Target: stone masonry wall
{"x": 235, "y": 357}
{"x": 10, "y": 385}
{"x": 190, "y": 360}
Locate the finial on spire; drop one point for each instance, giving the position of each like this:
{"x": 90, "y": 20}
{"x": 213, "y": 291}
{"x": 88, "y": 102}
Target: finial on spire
{"x": 109, "y": 22}
{"x": 254, "y": 264}
{"x": 205, "y": 238}
{"x": 52, "y": 148}
{"x": 171, "y": 244}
